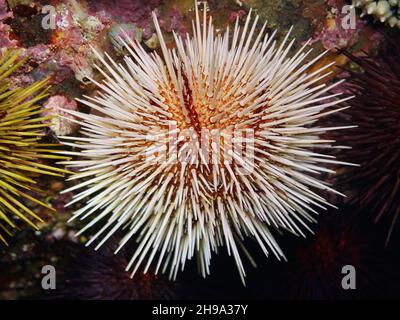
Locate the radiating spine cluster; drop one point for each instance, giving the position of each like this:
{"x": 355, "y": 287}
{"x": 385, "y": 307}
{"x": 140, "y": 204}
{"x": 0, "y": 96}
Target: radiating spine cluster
{"x": 143, "y": 154}
{"x": 375, "y": 143}
{"x": 21, "y": 151}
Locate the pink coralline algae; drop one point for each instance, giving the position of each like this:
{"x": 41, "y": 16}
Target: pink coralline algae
{"x": 38, "y": 55}
{"x": 234, "y": 14}
{"x": 68, "y": 49}
{"x": 59, "y": 124}
{"x": 335, "y": 33}
{"x": 75, "y": 32}
{"x": 3, "y": 10}
{"x": 174, "y": 22}
{"x": 5, "y": 41}
{"x": 126, "y": 11}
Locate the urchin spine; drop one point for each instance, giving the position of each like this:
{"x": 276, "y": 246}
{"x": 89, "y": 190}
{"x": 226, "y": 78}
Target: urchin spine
{"x": 179, "y": 209}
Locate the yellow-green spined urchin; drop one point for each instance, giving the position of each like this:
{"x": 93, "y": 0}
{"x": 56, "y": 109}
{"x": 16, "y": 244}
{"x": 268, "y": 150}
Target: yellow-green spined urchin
{"x": 21, "y": 150}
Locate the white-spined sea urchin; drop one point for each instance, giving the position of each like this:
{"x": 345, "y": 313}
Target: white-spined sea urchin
{"x": 151, "y": 165}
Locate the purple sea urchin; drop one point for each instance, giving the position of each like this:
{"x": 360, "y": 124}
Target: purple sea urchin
{"x": 204, "y": 146}
{"x": 88, "y": 275}
{"x": 343, "y": 238}
{"x": 376, "y": 142}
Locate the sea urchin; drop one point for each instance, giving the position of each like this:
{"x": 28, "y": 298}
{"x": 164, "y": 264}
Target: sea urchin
{"x": 21, "y": 150}
{"x": 375, "y": 143}
{"x": 208, "y": 144}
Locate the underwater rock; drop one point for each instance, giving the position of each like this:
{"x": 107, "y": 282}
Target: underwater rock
{"x": 122, "y": 30}
{"x": 332, "y": 32}
{"x": 54, "y": 106}
{"x": 5, "y": 40}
